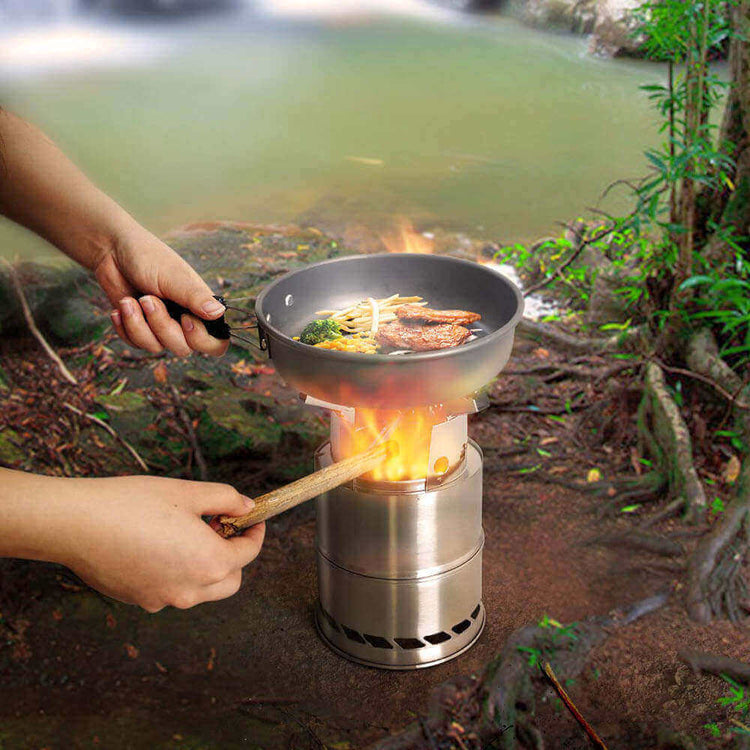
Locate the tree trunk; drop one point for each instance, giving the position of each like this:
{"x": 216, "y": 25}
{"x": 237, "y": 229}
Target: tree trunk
{"x": 731, "y": 207}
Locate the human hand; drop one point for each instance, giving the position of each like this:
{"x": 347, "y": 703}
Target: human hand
{"x": 141, "y": 540}
{"x": 142, "y": 263}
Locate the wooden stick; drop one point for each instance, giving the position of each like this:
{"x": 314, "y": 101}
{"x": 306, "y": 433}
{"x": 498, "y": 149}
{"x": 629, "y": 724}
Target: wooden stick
{"x": 133, "y": 452}
{"x": 273, "y": 503}
{"x": 565, "y": 698}
{"x": 51, "y": 353}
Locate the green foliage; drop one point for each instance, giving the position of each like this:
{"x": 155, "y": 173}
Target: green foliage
{"x": 320, "y": 330}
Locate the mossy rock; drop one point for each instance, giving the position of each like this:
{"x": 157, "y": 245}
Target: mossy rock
{"x": 130, "y": 415}
{"x": 10, "y": 453}
{"x": 60, "y": 300}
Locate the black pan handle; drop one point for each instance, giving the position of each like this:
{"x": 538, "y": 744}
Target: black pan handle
{"x": 218, "y": 328}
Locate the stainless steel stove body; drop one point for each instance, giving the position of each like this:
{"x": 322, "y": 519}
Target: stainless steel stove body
{"x": 400, "y": 562}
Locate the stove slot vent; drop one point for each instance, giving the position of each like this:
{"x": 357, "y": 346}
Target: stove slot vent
{"x": 377, "y": 641}
{"x": 409, "y": 643}
{"x": 463, "y": 625}
{"x": 331, "y": 621}
{"x": 353, "y": 635}
{"x": 437, "y": 638}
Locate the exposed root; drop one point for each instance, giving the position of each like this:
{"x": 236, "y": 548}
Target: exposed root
{"x": 668, "y": 440}
{"x": 700, "y": 661}
{"x": 497, "y": 710}
{"x": 653, "y": 543}
{"x": 715, "y": 585}
{"x": 536, "y": 331}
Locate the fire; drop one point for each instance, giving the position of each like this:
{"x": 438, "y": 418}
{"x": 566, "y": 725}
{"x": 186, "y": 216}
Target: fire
{"x": 410, "y": 429}
{"x": 405, "y": 239}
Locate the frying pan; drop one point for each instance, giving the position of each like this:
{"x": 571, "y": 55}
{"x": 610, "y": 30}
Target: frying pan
{"x": 385, "y": 381}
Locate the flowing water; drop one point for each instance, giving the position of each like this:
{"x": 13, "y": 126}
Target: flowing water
{"x": 275, "y": 113}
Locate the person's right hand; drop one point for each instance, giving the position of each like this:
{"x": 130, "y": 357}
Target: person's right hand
{"x": 142, "y": 540}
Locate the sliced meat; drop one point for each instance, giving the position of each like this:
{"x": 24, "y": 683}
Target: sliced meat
{"x": 416, "y": 312}
{"x": 421, "y": 338}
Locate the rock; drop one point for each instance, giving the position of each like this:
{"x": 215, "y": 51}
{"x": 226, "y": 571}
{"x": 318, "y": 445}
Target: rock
{"x": 606, "y": 304}
{"x": 60, "y": 300}
{"x": 10, "y": 454}
{"x": 578, "y": 17}
{"x": 611, "y": 23}
{"x": 615, "y": 31}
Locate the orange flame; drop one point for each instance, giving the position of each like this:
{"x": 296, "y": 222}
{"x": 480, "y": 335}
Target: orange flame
{"x": 410, "y": 429}
{"x": 405, "y": 239}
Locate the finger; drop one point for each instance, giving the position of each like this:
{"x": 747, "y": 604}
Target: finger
{"x": 117, "y": 323}
{"x": 179, "y": 282}
{"x": 135, "y": 326}
{"x": 223, "y": 589}
{"x": 199, "y": 339}
{"x": 168, "y": 331}
{"x": 245, "y": 548}
{"x": 213, "y": 497}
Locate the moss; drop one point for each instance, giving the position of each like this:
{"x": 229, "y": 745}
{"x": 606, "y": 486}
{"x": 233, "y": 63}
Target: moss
{"x": 10, "y": 453}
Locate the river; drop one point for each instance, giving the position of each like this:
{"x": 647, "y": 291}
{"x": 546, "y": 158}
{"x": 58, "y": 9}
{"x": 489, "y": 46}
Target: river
{"x": 276, "y": 113}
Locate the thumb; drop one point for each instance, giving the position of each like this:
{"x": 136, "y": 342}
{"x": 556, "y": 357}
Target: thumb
{"x": 181, "y": 284}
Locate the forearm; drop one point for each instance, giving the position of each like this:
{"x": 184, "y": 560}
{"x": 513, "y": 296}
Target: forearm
{"x": 36, "y": 516}
{"x": 44, "y": 191}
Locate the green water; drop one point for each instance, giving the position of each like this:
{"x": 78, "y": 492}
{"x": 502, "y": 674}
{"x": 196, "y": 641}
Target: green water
{"x": 483, "y": 127}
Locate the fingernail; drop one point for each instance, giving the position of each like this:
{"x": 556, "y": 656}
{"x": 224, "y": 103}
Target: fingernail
{"x": 249, "y": 502}
{"x": 115, "y": 315}
{"x": 212, "y": 307}
{"x": 187, "y": 323}
{"x": 126, "y": 306}
{"x": 147, "y": 303}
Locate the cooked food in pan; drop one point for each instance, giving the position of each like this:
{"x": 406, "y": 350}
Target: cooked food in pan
{"x": 426, "y": 314}
{"x": 421, "y": 338}
{"x": 398, "y": 324}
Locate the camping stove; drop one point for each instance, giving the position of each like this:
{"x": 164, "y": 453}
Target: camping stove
{"x": 399, "y": 558}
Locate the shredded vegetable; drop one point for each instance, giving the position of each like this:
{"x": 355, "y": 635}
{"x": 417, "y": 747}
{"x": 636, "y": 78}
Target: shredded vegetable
{"x": 369, "y": 314}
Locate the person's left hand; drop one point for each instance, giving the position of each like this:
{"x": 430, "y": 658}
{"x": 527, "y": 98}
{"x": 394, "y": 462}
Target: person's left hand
{"x": 142, "y": 264}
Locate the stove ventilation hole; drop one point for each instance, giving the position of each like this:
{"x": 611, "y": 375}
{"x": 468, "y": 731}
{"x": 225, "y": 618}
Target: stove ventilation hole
{"x": 331, "y": 621}
{"x": 353, "y": 635}
{"x": 377, "y": 641}
{"x": 409, "y": 643}
{"x": 437, "y": 638}
{"x": 458, "y": 629}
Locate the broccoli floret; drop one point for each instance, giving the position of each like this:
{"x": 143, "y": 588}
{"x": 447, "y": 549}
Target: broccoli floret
{"x": 320, "y": 330}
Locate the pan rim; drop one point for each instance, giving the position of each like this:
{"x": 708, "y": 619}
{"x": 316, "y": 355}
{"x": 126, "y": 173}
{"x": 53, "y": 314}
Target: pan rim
{"x": 435, "y": 354}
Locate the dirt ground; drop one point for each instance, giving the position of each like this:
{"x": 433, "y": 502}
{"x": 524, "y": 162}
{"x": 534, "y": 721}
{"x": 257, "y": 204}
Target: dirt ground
{"x": 80, "y": 670}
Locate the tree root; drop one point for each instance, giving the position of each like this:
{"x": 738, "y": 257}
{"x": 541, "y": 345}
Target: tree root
{"x": 715, "y": 585}
{"x": 497, "y": 710}
{"x": 668, "y": 440}
{"x": 544, "y": 332}
{"x": 653, "y": 543}
{"x": 700, "y": 661}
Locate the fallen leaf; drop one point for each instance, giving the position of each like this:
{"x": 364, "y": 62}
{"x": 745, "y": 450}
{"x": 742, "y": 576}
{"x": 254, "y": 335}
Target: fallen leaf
{"x": 594, "y": 475}
{"x": 549, "y": 440}
{"x": 131, "y": 650}
{"x": 541, "y": 353}
{"x": 111, "y": 622}
{"x": 160, "y": 667}
{"x": 731, "y": 470}
{"x": 211, "y": 657}
{"x": 161, "y": 374}
{"x": 57, "y": 614}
